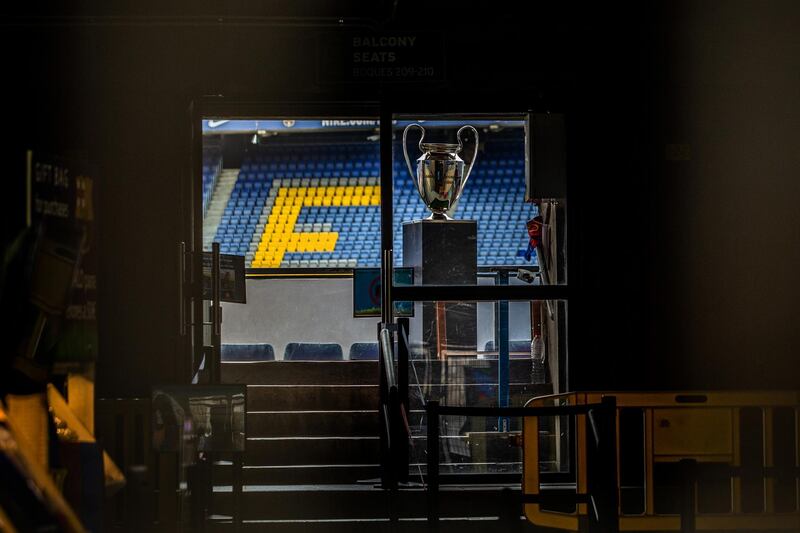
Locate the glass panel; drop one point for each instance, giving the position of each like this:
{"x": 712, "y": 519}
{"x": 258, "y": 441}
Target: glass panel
{"x": 455, "y": 360}
{"x": 492, "y": 223}
{"x": 293, "y": 193}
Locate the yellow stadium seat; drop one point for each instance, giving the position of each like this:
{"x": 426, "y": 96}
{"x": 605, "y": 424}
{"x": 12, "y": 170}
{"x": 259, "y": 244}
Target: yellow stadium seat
{"x": 282, "y": 192}
{"x": 330, "y": 191}
{"x": 347, "y": 200}
{"x": 292, "y": 247}
{"x": 301, "y": 191}
{"x": 291, "y": 191}
{"x": 359, "y": 190}
{"x": 339, "y": 191}
{"x": 317, "y": 200}
{"x": 337, "y": 200}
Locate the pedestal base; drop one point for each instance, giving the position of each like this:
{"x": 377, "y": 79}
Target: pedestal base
{"x": 444, "y": 252}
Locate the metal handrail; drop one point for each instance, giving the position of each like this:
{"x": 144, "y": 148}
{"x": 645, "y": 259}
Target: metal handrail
{"x": 388, "y": 359}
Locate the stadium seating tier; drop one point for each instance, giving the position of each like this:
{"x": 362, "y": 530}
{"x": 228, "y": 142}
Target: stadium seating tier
{"x": 319, "y": 206}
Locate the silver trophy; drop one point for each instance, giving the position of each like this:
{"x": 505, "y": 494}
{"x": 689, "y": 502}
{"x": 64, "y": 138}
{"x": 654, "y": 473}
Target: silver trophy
{"x": 441, "y": 174}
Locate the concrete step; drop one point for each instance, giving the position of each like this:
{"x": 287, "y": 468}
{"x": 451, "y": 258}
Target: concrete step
{"x": 311, "y": 397}
{"x": 458, "y": 449}
{"x": 312, "y": 423}
{"x": 356, "y": 397}
{"x": 355, "y": 423}
{"x": 464, "y": 371}
{"x": 488, "y": 524}
{"x": 297, "y": 474}
{"x": 311, "y": 451}
{"x": 359, "y": 501}
{"x": 301, "y": 372}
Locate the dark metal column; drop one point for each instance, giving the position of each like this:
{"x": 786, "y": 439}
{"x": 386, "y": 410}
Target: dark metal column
{"x": 387, "y": 223}
{"x": 213, "y": 366}
{"x": 503, "y": 393}
{"x": 432, "y": 474}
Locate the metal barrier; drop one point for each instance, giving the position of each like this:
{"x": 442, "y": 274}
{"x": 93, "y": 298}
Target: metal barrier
{"x": 686, "y": 462}
{"x": 601, "y": 490}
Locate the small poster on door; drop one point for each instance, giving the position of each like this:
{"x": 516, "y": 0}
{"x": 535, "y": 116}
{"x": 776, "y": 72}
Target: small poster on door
{"x": 231, "y": 278}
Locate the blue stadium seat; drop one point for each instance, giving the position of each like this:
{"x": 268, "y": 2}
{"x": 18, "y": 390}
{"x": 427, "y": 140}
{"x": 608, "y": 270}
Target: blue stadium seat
{"x": 364, "y": 351}
{"x": 306, "y": 351}
{"x": 248, "y": 352}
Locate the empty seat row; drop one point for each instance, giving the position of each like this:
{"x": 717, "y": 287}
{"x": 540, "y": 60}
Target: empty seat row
{"x": 300, "y": 351}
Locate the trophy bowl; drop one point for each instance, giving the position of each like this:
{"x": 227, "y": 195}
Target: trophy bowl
{"x": 441, "y": 174}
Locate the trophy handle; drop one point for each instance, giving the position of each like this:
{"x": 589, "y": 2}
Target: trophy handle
{"x": 405, "y": 152}
{"x": 461, "y": 147}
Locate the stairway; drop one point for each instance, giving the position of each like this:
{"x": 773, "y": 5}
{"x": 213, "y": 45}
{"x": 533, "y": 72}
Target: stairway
{"x": 219, "y": 200}
{"x": 312, "y": 454}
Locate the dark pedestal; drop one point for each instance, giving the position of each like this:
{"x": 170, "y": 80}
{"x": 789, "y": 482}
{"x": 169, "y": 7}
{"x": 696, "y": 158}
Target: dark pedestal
{"x": 444, "y": 252}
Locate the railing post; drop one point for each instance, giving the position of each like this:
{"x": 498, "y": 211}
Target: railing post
{"x": 213, "y": 366}
{"x": 602, "y": 467}
{"x": 503, "y": 395}
{"x": 402, "y": 393}
{"x": 688, "y": 469}
{"x": 432, "y": 477}
{"x": 609, "y": 454}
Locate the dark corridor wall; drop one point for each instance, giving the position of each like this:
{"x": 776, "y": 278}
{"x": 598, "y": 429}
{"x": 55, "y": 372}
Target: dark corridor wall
{"x": 686, "y": 275}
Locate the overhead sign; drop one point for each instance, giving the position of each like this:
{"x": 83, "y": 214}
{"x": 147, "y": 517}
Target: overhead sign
{"x": 254, "y": 126}
{"x": 224, "y": 126}
{"x": 231, "y": 278}
{"x": 369, "y": 57}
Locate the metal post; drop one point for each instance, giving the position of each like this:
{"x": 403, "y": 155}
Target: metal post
{"x": 387, "y": 304}
{"x": 503, "y": 393}
{"x": 395, "y": 436}
{"x": 608, "y": 453}
{"x": 432, "y": 477}
{"x": 602, "y": 467}
{"x": 181, "y": 283}
{"x": 402, "y": 393}
{"x": 688, "y": 469}
{"x": 387, "y": 228}
{"x": 213, "y": 366}
{"x": 237, "y": 491}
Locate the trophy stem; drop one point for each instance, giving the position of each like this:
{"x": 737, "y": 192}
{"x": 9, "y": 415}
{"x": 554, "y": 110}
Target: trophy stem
{"x": 439, "y": 216}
